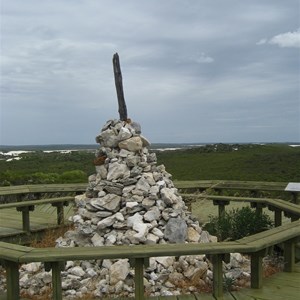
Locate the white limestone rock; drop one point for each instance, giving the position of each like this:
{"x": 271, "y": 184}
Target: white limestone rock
{"x": 193, "y": 235}
{"x": 236, "y": 259}
{"x": 97, "y": 240}
{"x": 168, "y": 196}
{"x": 143, "y": 185}
{"x": 124, "y": 134}
{"x": 133, "y": 144}
{"x": 148, "y": 203}
{"x": 158, "y": 232}
{"x": 117, "y": 170}
{"x": 110, "y": 202}
{"x": 152, "y": 214}
{"x": 31, "y": 267}
{"x": 124, "y": 153}
{"x": 118, "y": 271}
{"x": 145, "y": 142}
{"x": 166, "y": 261}
{"x": 131, "y": 204}
{"x": 108, "y": 138}
{"x": 102, "y": 171}
{"x": 136, "y": 218}
{"x": 142, "y": 230}
{"x": 77, "y": 271}
{"x": 151, "y": 239}
{"x": 107, "y": 222}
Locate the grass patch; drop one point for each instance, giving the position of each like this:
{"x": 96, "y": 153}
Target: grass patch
{"x": 50, "y": 236}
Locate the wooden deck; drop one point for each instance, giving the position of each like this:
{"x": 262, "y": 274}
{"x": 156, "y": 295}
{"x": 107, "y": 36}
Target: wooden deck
{"x": 43, "y": 217}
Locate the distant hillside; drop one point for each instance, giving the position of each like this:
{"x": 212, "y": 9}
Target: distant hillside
{"x": 270, "y": 162}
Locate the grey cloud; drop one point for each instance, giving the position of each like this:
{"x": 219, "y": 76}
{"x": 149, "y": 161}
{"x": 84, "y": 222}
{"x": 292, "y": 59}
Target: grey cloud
{"x": 192, "y": 70}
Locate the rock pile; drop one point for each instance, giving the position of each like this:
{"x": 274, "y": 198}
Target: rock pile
{"x": 130, "y": 200}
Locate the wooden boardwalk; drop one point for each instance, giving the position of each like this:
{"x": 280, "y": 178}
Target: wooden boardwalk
{"x": 43, "y": 217}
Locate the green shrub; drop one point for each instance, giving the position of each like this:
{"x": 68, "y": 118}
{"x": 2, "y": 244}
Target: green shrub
{"x": 41, "y": 177}
{"x": 237, "y": 224}
{"x": 75, "y": 176}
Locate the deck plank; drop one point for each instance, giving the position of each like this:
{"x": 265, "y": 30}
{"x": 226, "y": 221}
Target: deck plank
{"x": 43, "y": 217}
{"x": 206, "y": 296}
{"x": 280, "y": 286}
{"x": 187, "y": 297}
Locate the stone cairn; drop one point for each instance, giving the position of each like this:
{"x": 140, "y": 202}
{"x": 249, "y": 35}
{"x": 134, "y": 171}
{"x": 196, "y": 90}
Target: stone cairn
{"x": 130, "y": 200}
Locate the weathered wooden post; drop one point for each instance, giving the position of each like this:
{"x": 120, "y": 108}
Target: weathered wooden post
{"x": 119, "y": 88}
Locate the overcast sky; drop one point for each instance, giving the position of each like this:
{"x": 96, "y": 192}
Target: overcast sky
{"x": 193, "y": 70}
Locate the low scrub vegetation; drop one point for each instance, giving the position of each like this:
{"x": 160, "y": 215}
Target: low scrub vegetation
{"x": 271, "y": 162}
{"x": 238, "y": 223}
{"x": 40, "y": 167}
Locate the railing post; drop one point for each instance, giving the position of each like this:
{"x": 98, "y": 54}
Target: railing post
{"x": 277, "y": 217}
{"x": 56, "y": 267}
{"x": 12, "y": 280}
{"x": 221, "y": 210}
{"x": 294, "y": 218}
{"x": 259, "y": 208}
{"x": 256, "y": 270}
{"x": 289, "y": 255}
{"x": 217, "y": 276}
{"x": 295, "y": 198}
{"x": 60, "y": 213}
{"x": 139, "y": 278}
{"x": 138, "y": 264}
{"x": 221, "y": 206}
{"x": 25, "y": 217}
{"x": 254, "y": 193}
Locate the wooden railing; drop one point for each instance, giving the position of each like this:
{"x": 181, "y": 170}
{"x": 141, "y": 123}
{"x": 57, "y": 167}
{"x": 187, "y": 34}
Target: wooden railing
{"x": 11, "y": 256}
{"x": 19, "y": 192}
{"x": 278, "y": 206}
{"x": 17, "y": 197}
{"x": 255, "y": 188}
{"x": 256, "y": 246}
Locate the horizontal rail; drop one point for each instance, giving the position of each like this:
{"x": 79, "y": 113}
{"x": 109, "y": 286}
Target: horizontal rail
{"x": 13, "y": 255}
{"x": 42, "y": 188}
{"x": 197, "y": 184}
{"x": 252, "y": 186}
{"x": 278, "y": 206}
{"x": 231, "y": 184}
{"x": 276, "y": 203}
{"x": 36, "y": 202}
